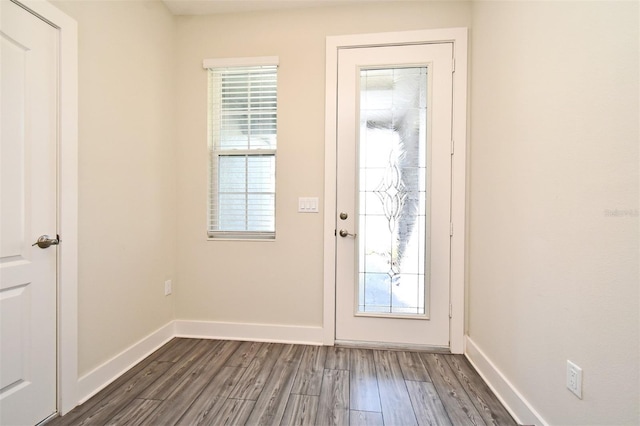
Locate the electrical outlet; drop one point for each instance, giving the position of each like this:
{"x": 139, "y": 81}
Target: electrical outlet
{"x": 574, "y": 379}
{"x": 167, "y": 287}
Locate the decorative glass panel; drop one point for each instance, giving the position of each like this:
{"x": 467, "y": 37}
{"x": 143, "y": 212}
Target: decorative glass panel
{"x": 393, "y": 191}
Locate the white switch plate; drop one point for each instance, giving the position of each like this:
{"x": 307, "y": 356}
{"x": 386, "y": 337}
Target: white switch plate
{"x": 308, "y": 205}
{"x": 574, "y": 379}
{"x": 167, "y": 287}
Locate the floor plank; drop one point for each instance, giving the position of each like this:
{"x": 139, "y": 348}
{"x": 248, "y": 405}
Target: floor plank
{"x": 233, "y": 412}
{"x": 210, "y": 382}
{"x": 427, "y": 405}
{"x": 337, "y": 358}
{"x": 272, "y": 402}
{"x": 301, "y": 410}
{"x": 394, "y": 397}
{"x": 245, "y": 354}
{"x": 481, "y": 396}
{"x": 333, "y": 406}
{"x": 205, "y": 407}
{"x": 162, "y": 387}
{"x": 365, "y": 418}
{"x": 412, "y": 367}
{"x": 175, "y": 349}
{"x": 255, "y": 376}
{"x": 364, "y": 395}
{"x": 135, "y": 413}
{"x": 309, "y": 378}
{"x": 192, "y": 384}
{"x": 459, "y": 407}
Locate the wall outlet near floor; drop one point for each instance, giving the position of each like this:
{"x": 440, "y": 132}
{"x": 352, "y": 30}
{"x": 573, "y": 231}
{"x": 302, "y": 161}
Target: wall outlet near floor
{"x": 574, "y": 379}
{"x": 167, "y": 287}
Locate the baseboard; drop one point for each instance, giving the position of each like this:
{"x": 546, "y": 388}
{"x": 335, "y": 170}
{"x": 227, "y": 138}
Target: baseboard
{"x": 254, "y": 332}
{"x": 514, "y": 402}
{"x": 99, "y": 378}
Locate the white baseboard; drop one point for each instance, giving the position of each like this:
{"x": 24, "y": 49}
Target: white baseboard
{"x": 253, "y": 332}
{"x": 513, "y": 400}
{"x": 99, "y": 378}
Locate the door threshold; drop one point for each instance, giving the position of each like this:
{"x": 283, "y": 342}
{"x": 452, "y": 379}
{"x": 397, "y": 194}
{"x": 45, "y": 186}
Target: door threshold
{"x": 357, "y": 344}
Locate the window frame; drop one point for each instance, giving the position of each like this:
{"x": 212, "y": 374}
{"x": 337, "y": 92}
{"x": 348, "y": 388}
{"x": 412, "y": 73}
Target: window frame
{"x": 215, "y": 153}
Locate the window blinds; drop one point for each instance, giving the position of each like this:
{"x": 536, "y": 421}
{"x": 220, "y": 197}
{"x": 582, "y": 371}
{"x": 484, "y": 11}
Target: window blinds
{"x": 242, "y": 146}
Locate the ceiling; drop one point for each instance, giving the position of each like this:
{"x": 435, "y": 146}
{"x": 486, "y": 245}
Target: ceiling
{"x": 208, "y": 7}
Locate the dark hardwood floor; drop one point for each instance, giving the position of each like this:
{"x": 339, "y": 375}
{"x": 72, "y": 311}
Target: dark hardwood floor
{"x": 215, "y": 382}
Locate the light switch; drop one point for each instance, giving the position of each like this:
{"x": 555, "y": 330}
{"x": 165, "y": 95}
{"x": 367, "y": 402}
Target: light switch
{"x": 308, "y": 205}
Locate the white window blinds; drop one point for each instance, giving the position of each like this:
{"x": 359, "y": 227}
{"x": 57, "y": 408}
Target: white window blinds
{"x": 242, "y": 148}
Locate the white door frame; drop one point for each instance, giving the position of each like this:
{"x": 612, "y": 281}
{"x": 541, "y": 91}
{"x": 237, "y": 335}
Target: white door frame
{"x": 67, "y": 274}
{"x": 458, "y": 36}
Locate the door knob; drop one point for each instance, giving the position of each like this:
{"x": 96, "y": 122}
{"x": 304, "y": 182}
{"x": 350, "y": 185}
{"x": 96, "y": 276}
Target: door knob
{"x": 45, "y": 242}
{"x": 344, "y": 233}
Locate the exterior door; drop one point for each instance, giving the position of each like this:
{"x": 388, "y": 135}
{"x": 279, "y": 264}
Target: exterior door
{"x": 394, "y": 194}
{"x": 29, "y": 81}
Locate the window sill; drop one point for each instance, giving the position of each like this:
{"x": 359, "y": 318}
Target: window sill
{"x": 259, "y": 240}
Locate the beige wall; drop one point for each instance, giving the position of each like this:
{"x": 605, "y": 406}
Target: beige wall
{"x": 126, "y": 173}
{"x": 554, "y": 151}
{"x": 269, "y": 282}
{"x": 552, "y": 275}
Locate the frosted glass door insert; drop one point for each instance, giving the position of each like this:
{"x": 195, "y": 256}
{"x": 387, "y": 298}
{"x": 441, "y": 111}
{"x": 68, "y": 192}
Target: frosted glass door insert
{"x": 393, "y": 192}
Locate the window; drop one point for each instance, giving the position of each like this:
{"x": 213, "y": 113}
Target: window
{"x": 242, "y": 147}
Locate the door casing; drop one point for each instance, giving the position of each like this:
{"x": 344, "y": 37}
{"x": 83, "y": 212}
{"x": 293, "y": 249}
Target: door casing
{"x": 457, "y": 36}
{"x": 67, "y": 268}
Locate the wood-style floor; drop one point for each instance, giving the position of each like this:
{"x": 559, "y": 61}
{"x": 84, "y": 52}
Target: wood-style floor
{"x": 215, "y": 382}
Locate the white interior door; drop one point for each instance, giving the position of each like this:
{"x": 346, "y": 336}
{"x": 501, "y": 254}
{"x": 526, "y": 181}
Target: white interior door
{"x": 29, "y": 81}
{"x": 394, "y": 194}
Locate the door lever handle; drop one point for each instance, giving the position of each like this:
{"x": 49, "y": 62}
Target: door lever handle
{"x": 45, "y": 242}
{"x": 344, "y": 233}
